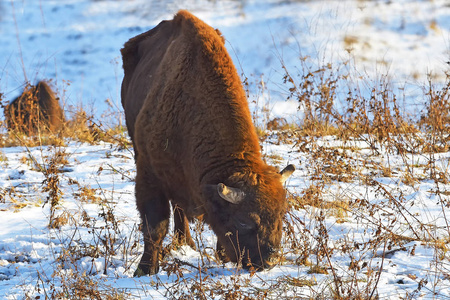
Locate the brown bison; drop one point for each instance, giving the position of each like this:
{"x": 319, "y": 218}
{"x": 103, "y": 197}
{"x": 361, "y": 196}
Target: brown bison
{"x": 196, "y": 146}
{"x": 37, "y": 109}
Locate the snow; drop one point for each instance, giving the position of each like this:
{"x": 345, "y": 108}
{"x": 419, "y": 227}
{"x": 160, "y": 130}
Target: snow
{"x": 30, "y": 251}
{"x": 76, "y": 44}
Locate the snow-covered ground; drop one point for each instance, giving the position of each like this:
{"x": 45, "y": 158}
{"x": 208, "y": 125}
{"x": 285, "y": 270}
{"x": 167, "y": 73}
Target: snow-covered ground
{"x": 98, "y": 239}
{"x": 76, "y": 43}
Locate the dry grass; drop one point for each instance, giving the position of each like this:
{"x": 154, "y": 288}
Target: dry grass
{"x": 344, "y": 148}
{"x": 25, "y": 127}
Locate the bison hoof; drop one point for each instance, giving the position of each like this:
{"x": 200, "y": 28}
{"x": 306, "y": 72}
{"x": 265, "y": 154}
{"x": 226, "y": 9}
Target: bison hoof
{"x": 144, "y": 269}
{"x": 180, "y": 240}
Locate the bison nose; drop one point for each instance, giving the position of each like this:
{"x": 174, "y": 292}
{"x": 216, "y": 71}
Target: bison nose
{"x": 270, "y": 263}
{"x": 273, "y": 258}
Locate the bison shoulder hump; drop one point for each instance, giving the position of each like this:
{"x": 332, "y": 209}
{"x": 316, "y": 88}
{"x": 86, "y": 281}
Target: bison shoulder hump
{"x": 190, "y": 22}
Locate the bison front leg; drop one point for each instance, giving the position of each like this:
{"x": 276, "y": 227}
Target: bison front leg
{"x": 182, "y": 234}
{"x": 220, "y": 253}
{"x": 155, "y": 213}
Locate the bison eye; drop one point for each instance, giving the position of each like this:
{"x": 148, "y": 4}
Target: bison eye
{"x": 246, "y": 226}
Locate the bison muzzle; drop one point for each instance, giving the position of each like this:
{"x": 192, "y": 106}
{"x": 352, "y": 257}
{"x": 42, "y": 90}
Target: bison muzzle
{"x": 196, "y": 146}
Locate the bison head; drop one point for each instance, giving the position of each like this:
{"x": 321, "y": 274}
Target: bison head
{"x": 247, "y": 217}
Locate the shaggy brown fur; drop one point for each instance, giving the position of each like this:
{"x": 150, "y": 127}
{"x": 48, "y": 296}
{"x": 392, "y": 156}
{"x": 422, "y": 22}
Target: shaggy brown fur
{"x": 189, "y": 120}
{"x": 36, "y": 110}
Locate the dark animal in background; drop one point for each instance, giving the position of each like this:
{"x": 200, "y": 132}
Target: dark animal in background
{"x": 196, "y": 146}
{"x": 36, "y": 110}
{"x": 277, "y": 124}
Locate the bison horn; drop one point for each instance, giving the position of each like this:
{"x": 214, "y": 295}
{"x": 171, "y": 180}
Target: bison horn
{"x": 286, "y": 172}
{"x": 232, "y": 195}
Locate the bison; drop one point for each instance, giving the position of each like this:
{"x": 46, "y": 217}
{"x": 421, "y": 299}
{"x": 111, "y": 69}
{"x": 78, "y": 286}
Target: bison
{"x": 35, "y": 110}
{"x": 196, "y": 146}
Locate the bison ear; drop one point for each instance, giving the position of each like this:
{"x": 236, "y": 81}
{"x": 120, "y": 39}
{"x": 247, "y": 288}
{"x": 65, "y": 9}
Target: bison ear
{"x": 232, "y": 195}
{"x": 286, "y": 173}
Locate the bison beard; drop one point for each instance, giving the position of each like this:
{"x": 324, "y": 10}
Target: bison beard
{"x": 196, "y": 146}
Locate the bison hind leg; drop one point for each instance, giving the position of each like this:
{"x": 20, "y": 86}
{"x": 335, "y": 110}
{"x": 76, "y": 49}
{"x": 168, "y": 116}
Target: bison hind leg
{"x": 182, "y": 234}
